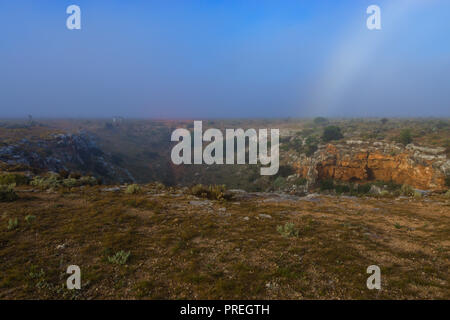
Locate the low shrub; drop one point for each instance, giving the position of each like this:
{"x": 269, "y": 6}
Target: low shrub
{"x": 407, "y": 190}
{"x": 384, "y": 193}
{"x": 279, "y": 183}
{"x": 447, "y": 194}
{"x": 288, "y": 230}
{"x": 54, "y": 180}
{"x": 320, "y": 120}
{"x": 133, "y": 189}
{"x": 7, "y": 193}
{"x": 405, "y": 137}
{"x": 342, "y": 188}
{"x": 300, "y": 181}
{"x": 88, "y": 180}
{"x": 29, "y": 218}
{"x": 159, "y": 186}
{"x": 331, "y": 133}
{"x": 51, "y": 181}
{"x": 70, "y": 183}
{"x": 13, "y": 178}
{"x": 13, "y": 224}
{"x": 120, "y": 258}
{"x": 326, "y": 185}
{"x": 363, "y": 188}
{"x": 212, "y": 192}
{"x": 311, "y": 146}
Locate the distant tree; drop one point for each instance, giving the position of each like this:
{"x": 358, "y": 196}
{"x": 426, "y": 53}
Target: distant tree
{"x": 405, "y": 137}
{"x": 320, "y": 120}
{"x": 384, "y": 121}
{"x": 442, "y": 124}
{"x": 332, "y": 133}
{"x": 310, "y": 146}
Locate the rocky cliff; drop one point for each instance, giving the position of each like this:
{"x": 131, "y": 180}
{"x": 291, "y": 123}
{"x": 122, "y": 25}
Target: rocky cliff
{"x": 358, "y": 161}
{"x": 70, "y": 152}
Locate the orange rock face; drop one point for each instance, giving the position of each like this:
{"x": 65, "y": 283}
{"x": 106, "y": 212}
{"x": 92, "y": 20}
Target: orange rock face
{"x": 373, "y": 165}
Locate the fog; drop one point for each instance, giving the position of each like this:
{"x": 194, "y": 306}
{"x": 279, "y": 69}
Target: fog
{"x": 206, "y": 59}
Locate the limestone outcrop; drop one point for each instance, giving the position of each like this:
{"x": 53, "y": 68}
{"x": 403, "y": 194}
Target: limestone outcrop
{"x": 358, "y": 161}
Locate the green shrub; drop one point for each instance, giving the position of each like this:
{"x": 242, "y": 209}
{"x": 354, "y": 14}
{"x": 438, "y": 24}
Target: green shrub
{"x": 279, "y": 183}
{"x": 363, "y": 188}
{"x": 311, "y": 146}
{"x": 342, "y": 188}
{"x": 159, "y": 186}
{"x": 213, "y": 192}
{"x": 447, "y": 181}
{"x": 13, "y": 178}
{"x": 55, "y": 180}
{"x": 447, "y": 194}
{"x": 7, "y": 193}
{"x": 405, "y": 137}
{"x": 51, "y": 181}
{"x": 119, "y": 258}
{"x": 407, "y": 190}
{"x": 13, "y": 224}
{"x": 320, "y": 120}
{"x": 288, "y": 230}
{"x": 70, "y": 183}
{"x": 133, "y": 189}
{"x": 384, "y": 193}
{"x": 326, "y": 185}
{"x": 88, "y": 180}
{"x": 300, "y": 181}
{"x": 29, "y": 218}
{"x": 331, "y": 133}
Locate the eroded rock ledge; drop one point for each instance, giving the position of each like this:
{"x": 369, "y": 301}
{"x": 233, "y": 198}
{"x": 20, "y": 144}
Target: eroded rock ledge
{"x": 358, "y": 161}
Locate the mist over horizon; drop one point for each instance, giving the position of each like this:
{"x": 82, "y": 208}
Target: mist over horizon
{"x": 216, "y": 59}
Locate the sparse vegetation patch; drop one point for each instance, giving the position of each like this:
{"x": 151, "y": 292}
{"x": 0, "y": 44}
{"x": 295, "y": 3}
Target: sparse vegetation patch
{"x": 288, "y": 230}
{"x": 7, "y": 193}
{"x": 120, "y": 258}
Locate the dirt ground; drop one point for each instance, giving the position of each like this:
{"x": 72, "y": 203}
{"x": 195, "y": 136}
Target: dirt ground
{"x": 183, "y": 247}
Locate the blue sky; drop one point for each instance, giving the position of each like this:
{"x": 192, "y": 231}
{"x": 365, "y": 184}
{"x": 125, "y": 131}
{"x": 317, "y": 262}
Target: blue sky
{"x": 206, "y": 59}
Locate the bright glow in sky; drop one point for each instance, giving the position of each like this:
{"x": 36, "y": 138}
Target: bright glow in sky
{"x": 224, "y": 58}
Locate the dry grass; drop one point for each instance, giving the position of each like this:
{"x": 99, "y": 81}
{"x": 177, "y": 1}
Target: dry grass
{"x": 201, "y": 251}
